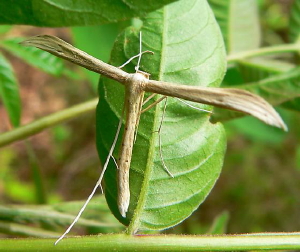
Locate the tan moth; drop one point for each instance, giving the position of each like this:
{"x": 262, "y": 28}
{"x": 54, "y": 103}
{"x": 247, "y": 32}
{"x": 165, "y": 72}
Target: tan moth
{"x": 135, "y": 85}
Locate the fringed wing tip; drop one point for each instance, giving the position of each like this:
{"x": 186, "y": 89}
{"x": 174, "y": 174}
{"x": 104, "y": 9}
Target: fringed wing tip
{"x": 47, "y": 43}
{"x": 32, "y": 40}
{"x": 252, "y": 104}
{"x": 277, "y": 121}
{"x": 267, "y": 113}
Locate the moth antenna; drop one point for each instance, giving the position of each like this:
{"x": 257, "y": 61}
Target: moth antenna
{"x": 140, "y": 54}
{"x": 135, "y": 56}
{"x": 98, "y": 184}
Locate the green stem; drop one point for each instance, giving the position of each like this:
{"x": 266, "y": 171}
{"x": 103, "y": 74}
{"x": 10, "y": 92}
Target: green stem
{"x": 46, "y": 122}
{"x": 263, "y": 51}
{"x": 121, "y": 242}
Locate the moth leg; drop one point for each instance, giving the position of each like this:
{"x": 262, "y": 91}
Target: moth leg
{"x": 160, "y": 128}
{"x": 159, "y": 138}
{"x": 149, "y": 98}
{"x": 154, "y": 103}
{"x": 98, "y": 183}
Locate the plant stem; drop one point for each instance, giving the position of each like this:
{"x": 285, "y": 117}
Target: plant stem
{"x": 121, "y": 242}
{"x": 263, "y": 51}
{"x": 46, "y": 122}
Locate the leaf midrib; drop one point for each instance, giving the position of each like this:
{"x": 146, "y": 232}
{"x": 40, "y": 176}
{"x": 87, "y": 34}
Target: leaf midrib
{"x": 135, "y": 221}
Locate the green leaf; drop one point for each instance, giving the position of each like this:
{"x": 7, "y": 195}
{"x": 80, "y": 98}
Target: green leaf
{"x": 294, "y": 23}
{"x": 275, "y": 89}
{"x": 57, "y": 13}
{"x": 220, "y": 224}
{"x": 260, "y": 68}
{"x": 9, "y": 92}
{"x": 188, "y": 49}
{"x": 35, "y": 57}
{"x": 239, "y": 22}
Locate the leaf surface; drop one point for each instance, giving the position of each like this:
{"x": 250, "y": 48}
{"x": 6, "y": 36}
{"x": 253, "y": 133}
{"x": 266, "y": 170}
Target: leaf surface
{"x": 57, "y": 13}
{"x": 239, "y": 22}
{"x": 9, "y": 92}
{"x": 188, "y": 49}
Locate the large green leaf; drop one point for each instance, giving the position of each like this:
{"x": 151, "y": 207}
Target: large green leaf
{"x": 294, "y": 21}
{"x": 57, "y": 13}
{"x": 9, "y": 92}
{"x": 239, "y": 22}
{"x": 188, "y": 49}
{"x": 38, "y": 58}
